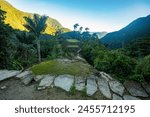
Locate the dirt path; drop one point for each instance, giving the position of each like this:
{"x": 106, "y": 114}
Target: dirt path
{"x": 15, "y": 90}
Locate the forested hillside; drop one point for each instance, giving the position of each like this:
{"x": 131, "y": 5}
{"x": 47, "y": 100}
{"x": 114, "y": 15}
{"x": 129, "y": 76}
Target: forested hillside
{"x": 136, "y": 30}
{"x": 15, "y": 18}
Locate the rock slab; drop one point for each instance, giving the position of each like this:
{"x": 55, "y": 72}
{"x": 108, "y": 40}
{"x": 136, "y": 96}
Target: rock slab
{"x": 104, "y": 87}
{"x": 26, "y": 77}
{"x": 46, "y": 81}
{"x": 135, "y": 89}
{"x": 6, "y": 74}
{"x": 91, "y": 87}
{"x": 64, "y": 81}
{"x": 116, "y": 87}
{"x": 80, "y": 83}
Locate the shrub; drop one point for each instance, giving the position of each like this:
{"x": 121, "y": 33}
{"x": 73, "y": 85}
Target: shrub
{"x": 137, "y": 77}
{"x": 143, "y": 68}
{"x": 115, "y": 62}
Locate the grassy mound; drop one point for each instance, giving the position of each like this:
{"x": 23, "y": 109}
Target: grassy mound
{"x": 77, "y": 68}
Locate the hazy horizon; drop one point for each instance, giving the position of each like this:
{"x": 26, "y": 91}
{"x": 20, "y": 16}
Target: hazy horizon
{"x": 98, "y": 15}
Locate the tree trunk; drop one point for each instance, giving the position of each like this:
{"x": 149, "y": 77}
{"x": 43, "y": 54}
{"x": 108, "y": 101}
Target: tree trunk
{"x": 39, "y": 50}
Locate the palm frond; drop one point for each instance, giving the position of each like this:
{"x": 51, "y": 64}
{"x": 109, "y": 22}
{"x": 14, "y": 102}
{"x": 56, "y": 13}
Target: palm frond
{"x": 37, "y": 25}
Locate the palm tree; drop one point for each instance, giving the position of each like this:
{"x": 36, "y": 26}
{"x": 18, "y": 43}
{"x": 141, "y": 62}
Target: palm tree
{"x": 80, "y": 29}
{"x": 25, "y": 45}
{"x": 36, "y": 25}
{"x": 75, "y": 26}
{"x": 87, "y": 29}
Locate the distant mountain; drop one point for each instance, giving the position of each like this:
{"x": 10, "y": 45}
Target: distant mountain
{"x": 100, "y": 34}
{"x": 15, "y": 18}
{"x": 140, "y": 28}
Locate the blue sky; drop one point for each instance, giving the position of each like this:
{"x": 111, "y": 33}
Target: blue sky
{"x": 98, "y": 15}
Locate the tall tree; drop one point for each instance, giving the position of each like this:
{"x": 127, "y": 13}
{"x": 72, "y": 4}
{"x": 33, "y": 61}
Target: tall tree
{"x": 36, "y": 25}
{"x": 80, "y": 29}
{"x": 75, "y": 26}
{"x": 87, "y": 29}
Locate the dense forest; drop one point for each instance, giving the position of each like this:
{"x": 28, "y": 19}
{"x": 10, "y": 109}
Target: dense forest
{"x": 21, "y": 49}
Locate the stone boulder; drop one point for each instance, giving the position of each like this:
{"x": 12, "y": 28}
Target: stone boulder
{"x": 46, "y": 81}
{"x": 6, "y": 74}
{"x": 91, "y": 87}
{"x": 104, "y": 87}
{"x": 64, "y": 81}
{"x": 135, "y": 89}
{"x": 80, "y": 83}
{"x": 116, "y": 87}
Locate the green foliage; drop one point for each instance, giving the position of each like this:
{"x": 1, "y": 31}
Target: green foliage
{"x": 5, "y": 31}
{"x": 16, "y": 47}
{"x": 37, "y": 26}
{"x": 114, "y": 62}
{"x": 72, "y": 90}
{"x": 139, "y": 47}
{"x": 16, "y": 65}
{"x": 50, "y": 49}
{"x": 90, "y": 48}
{"x": 83, "y": 92}
{"x": 25, "y": 47}
{"x": 143, "y": 68}
{"x": 137, "y": 77}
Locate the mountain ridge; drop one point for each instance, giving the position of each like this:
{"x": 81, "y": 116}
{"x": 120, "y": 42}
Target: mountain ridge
{"x": 139, "y": 28}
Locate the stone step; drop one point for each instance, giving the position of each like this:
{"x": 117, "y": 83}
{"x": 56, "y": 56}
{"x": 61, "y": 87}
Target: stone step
{"x": 26, "y": 77}
{"x": 104, "y": 87}
{"x": 135, "y": 89}
{"x": 46, "y": 81}
{"x": 80, "y": 83}
{"x": 91, "y": 86}
{"x": 64, "y": 81}
{"x": 6, "y": 74}
{"x": 116, "y": 87}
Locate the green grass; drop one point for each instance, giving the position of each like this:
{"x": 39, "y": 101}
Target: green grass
{"x": 53, "y": 67}
{"x": 73, "y": 40}
{"x": 73, "y": 46}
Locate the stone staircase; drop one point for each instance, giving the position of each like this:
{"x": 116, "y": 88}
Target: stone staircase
{"x": 109, "y": 87}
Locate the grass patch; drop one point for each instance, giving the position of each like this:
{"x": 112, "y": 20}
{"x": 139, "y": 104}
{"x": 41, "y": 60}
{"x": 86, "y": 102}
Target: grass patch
{"x": 77, "y": 68}
{"x": 73, "y": 40}
{"x": 73, "y": 46}
{"x": 72, "y": 90}
{"x": 83, "y": 92}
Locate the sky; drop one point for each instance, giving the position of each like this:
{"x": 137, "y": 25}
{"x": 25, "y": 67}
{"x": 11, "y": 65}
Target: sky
{"x": 98, "y": 15}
